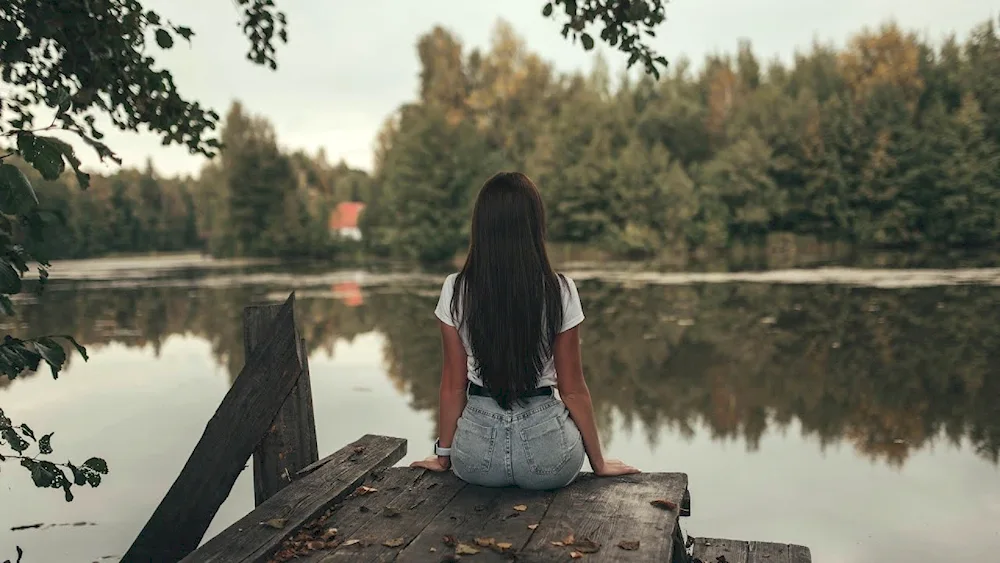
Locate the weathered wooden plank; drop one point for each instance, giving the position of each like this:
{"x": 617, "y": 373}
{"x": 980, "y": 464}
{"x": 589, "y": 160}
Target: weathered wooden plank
{"x": 289, "y": 445}
{"x": 799, "y": 554}
{"x": 610, "y": 511}
{"x": 347, "y": 516}
{"x": 402, "y": 519}
{"x": 480, "y": 512}
{"x": 182, "y": 517}
{"x": 766, "y": 552}
{"x": 248, "y": 541}
{"x": 709, "y": 550}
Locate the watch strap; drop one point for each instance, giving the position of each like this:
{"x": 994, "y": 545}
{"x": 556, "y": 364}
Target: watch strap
{"x": 439, "y": 451}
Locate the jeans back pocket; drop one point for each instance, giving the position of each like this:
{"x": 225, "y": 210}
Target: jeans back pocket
{"x": 546, "y": 448}
{"x": 473, "y": 446}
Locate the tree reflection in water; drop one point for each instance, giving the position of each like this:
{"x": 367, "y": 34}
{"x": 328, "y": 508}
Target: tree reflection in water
{"x": 888, "y": 371}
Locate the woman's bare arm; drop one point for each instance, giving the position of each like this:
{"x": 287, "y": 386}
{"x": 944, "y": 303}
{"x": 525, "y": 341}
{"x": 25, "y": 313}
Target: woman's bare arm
{"x": 454, "y": 381}
{"x": 576, "y": 396}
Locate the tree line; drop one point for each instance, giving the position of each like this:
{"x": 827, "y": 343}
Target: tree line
{"x": 890, "y": 141}
{"x": 887, "y": 372}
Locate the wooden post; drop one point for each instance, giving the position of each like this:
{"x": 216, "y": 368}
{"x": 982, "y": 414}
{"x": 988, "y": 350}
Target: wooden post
{"x": 258, "y": 393}
{"x": 289, "y": 445}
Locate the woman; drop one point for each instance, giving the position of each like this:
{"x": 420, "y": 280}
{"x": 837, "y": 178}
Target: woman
{"x": 509, "y": 326}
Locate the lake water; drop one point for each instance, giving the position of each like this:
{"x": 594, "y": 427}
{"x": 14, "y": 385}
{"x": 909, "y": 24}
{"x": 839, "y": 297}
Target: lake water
{"x": 853, "y": 411}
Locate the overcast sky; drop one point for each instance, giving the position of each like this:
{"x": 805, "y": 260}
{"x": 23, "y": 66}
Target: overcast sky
{"x": 349, "y": 63}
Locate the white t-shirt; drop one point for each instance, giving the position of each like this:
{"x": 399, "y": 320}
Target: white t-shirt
{"x": 572, "y": 316}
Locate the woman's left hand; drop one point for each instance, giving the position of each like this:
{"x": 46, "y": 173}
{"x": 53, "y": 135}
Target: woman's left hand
{"x": 433, "y": 463}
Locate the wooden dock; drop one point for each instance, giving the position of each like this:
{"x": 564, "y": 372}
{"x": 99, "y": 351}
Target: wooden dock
{"x": 354, "y": 505}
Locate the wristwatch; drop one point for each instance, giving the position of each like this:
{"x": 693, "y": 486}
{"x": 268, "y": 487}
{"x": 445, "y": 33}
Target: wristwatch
{"x": 439, "y": 451}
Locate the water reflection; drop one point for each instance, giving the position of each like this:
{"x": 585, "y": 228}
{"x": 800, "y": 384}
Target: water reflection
{"x": 888, "y": 372}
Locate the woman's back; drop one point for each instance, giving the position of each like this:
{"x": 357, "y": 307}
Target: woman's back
{"x": 572, "y": 315}
{"x": 509, "y": 332}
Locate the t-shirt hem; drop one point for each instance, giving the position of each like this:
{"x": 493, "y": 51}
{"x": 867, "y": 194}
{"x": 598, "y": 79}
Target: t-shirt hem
{"x": 575, "y": 321}
{"x": 444, "y": 319}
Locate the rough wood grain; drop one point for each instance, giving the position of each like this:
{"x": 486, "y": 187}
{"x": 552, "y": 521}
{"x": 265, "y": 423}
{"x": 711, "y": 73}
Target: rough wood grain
{"x": 182, "y": 517}
{"x": 415, "y": 507}
{"x": 479, "y": 512}
{"x": 799, "y": 554}
{"x": 248, "y": 541}
{"x": 765, "y": 552}
{"x": 289, "y": 445}
{"x": 708, "y": 550}
{"x": 609, "y": 511}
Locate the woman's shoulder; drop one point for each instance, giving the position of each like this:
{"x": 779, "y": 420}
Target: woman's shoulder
{"x": 566, "y": 284}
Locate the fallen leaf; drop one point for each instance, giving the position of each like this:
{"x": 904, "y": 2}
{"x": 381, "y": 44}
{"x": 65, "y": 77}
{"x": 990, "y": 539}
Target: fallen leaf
{"x": 629, "y": 545}
{"x": 394, "y": 542}
{"x": 390, "y": 512}
{"x": 479, "y": 507}
{"x": 463, "y": 549}
{"x": 449, "y": 541}
{"x": 587, "y": 546}
{"x": 363, "y": 508}
{"x": 315, "y": 545}
{"x": 721, "y": 559}
{"x": 558, "y": 544}
{"x": 329, "y": 534}
{"x": 485, "y": 542}
{"x": 433, "y": 549}
{"x": 532, "y": 526}
{"x": 364, "y": 490}
{"x": 575, "y": 554}
{"x": 351, "y": 542}
{"x": 664, "y": 504}
{"x": 568, "y": 540}
{"x": 276, "y": 523}
{"x": 504, "y": 546}
{"x": 520, "y": 508}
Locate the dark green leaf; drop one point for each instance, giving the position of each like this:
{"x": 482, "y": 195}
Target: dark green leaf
{"x": 587, "y": 40}
{"x": 42, "y": 153}
{"x": 27, "y": 431}
{"x": 79, "y": 476}
{"x": 52, "y": 352}
{"x": 97, "y": 464}
{"x": 67, "y": 150}
{"x": 10, "y": 280}
{"x": 164, "y": 39}
{"x": 547, "y": 10}
{"x": 184, "y": 32}
{"x": 45, "y": 444}
{"x": 16, "y": 194}
{"x": 13, "y": 439}
{"x": 79, "y": 347}
{"x": 6, "y": 305}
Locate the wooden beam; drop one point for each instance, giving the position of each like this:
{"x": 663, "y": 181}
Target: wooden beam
{"x": 708, "y": 550}
{"x": 254, "y": 537}
{"x": 611, "y": 510}
{"x": 289, "y": 445}
{"x": 182, "y": 517}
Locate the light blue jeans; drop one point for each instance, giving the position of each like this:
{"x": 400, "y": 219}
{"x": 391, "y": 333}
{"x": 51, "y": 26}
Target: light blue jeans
{"x": 535, "y": 445}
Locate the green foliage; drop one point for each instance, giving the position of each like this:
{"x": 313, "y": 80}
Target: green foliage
{"x": 79, "y": 60}
{"x": 888, "y": 142}
{"x": 625, "y": 24}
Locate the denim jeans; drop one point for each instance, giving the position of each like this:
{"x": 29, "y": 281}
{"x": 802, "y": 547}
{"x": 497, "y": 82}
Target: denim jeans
{"x": 535, "y": 445}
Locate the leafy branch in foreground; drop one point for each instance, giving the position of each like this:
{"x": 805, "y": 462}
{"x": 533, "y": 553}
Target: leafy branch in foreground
{"x": 627, "y": 23}
{"x": 21, "y": 440}
{"x": 81, "y": 59}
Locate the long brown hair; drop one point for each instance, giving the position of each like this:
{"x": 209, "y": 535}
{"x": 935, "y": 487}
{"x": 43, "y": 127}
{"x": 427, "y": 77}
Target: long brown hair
{"x": 511, "y": 300}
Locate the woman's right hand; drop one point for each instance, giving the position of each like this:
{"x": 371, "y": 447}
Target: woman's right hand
{"x": 613, "y": 467}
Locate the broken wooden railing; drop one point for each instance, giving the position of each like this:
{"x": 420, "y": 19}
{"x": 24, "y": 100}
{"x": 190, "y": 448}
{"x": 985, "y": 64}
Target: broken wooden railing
{"x": 267, "y": 413}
